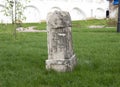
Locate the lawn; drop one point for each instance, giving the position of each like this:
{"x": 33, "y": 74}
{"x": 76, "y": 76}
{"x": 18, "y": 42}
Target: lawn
{"x": 22, "y": 59}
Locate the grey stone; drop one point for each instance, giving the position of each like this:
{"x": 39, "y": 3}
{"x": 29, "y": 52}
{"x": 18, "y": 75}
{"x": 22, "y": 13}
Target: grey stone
{"x": 59, "y": 19}
{"x": 60, "y": 50}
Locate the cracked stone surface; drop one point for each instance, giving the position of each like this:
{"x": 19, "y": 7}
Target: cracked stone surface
{"x": 60, "y": 50}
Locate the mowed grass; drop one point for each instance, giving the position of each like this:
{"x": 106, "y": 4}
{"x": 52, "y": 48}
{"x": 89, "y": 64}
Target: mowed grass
{"x": 22, "y": 60}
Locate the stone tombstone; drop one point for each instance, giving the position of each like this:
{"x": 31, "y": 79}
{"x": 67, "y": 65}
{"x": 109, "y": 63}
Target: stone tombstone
{"x": 61, "y": 57}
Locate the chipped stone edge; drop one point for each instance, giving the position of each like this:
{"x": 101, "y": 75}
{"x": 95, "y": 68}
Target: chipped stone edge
{"x": 61, "y": 65}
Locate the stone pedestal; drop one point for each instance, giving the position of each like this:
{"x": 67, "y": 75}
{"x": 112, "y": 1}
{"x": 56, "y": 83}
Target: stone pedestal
{"x": 61, "y": 57}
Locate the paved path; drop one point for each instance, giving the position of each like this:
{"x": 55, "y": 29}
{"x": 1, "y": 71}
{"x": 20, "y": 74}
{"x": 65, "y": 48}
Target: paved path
{"x": 96, "y": 26}
{"x": 29, "y": 29}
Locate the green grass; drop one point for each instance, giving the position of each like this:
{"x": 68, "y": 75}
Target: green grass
{"x": 86, "y": 23}
{"x": 22, "y": 60}
{"x": 39, "y": 26}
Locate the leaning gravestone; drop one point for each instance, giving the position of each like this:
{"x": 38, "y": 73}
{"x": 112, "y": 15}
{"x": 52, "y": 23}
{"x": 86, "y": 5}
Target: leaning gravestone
{"x": 61, "y": 57}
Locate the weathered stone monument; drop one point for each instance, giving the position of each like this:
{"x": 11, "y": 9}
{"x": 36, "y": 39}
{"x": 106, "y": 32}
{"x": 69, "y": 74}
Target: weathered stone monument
{"x": 61, "y": 57}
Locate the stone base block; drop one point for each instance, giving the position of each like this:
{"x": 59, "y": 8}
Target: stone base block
{"x": 61, "y": 65}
